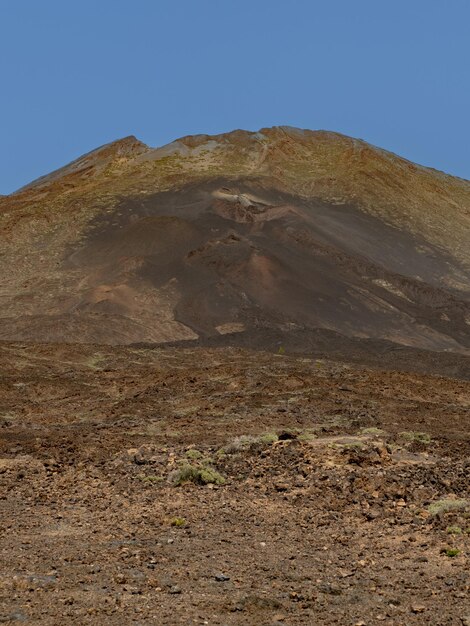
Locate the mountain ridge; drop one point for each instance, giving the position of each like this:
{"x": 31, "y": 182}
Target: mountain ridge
{"x": 130, "y": 144}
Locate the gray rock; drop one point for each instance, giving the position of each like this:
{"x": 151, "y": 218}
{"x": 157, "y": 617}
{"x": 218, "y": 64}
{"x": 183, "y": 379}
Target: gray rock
{"x": 17, "y": 616}
{"x": 221, "y": 578}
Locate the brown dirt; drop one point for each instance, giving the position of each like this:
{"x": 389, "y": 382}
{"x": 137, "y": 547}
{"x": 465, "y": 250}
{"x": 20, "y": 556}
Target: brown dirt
{"x": 328, "y": 525}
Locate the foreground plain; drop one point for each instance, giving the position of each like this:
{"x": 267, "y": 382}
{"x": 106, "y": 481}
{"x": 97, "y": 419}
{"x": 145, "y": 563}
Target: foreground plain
{"x": 340, "y": 493}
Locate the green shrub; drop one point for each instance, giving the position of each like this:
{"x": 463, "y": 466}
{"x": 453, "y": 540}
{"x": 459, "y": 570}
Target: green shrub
{"x": 268, "y": 438}
{"x": 150, "y": 479}
{"x": 246, "y": 442}
{"x": 452, "y": 552}
{"x": 417, "y": 437}
{"x": 372, "y": 430}
{"x": 307, "y": 435}
{"x": 196, "y": 474}
{"x": 194, "y": 454}
{"x": 447, "y": 504}
{"x": 239, "y": 444}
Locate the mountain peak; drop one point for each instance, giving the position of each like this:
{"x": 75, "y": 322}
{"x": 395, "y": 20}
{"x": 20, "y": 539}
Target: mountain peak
{"x": 281, "y": 228}
{"x": 92, "y": 163}
{"x": 125, "y": 145}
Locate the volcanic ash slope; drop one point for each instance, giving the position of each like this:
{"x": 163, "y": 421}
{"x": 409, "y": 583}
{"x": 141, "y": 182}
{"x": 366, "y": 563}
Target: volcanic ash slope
{"x": 242, "y": 234}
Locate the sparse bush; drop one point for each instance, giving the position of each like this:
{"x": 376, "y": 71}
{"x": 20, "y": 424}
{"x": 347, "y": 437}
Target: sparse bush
{"x": 307, "y": 435}
{"x": 150, "y": 479}
{"x": 348, "y": 447}
{"x": 268, "y": 438}
{"x": 96, "y": 361}
{"x": 178, "y": 522}
{"x": 246, "y": 442}
{"x": 194, "y": 454}
{"x": 196, "y": 474}
{"x": 239, "y": 444}
{"x": 417, "y": 437}
{"x": 355, "y": 445}
{"x": 372, "y": 430}
{"x": 452, "y": 552}
{"x": 447, "y": 504}
{"x": 454, "y": 530}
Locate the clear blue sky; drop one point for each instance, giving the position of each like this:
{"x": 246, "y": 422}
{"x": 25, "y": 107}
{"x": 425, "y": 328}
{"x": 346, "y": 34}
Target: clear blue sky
{"x": 75, "y": 74}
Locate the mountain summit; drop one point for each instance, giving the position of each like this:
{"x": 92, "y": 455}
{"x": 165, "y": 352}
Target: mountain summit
{"x": 238, "y": 235}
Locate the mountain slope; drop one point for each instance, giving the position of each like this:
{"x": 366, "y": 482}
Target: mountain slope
{"x": 281, "y": 229}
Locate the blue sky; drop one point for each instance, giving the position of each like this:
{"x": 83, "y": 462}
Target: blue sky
{"x": 75, "y": 74}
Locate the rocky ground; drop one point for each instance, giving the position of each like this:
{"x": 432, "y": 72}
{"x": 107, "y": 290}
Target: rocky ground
{"x": 222, "y": 486}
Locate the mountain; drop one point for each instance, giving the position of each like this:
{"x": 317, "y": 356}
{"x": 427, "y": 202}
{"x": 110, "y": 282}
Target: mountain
{"x": 236, "y": 236}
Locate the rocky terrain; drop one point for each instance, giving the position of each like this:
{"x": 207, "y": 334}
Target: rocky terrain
{"x": 195, "y": 486}
{"x": 234, "y": 387}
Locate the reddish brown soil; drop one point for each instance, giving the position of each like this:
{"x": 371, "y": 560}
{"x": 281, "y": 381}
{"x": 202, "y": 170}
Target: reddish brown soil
{"x": 328, "y": 525}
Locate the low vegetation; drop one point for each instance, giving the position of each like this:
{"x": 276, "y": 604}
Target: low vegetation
{"x": 150, "y": 479}
{"x": 452, "y": 552}
{"x": 416, "y": 437}
{"x": 247, "y": 442}
{"x": 194, "y": 454}
{"x": 372, "y": 430}
{"x": 197, "y": 474}
{"x": 447, "y": 504}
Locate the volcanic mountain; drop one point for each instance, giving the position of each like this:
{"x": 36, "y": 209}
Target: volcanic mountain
{"x": 236, "y": 237}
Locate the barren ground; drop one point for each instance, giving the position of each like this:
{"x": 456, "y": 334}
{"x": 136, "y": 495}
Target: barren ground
{"x": 339, "y": 521}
